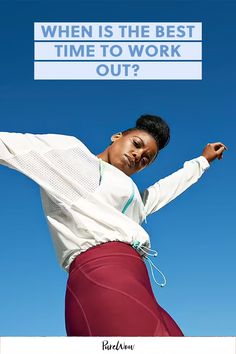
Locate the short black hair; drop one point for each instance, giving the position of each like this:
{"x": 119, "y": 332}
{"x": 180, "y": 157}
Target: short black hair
{"x": 155, "y": 126}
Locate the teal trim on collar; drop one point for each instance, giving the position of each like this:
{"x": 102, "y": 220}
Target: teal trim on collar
{"x": 129, "y": 200}
{"x": 101, "y": 170}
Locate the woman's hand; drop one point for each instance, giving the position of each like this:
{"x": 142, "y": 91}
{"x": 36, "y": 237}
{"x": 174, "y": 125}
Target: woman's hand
{"x": 213, "y": 151}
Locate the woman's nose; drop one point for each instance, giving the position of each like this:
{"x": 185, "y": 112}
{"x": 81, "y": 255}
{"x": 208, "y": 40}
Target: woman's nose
{"x": 136, "y": 155}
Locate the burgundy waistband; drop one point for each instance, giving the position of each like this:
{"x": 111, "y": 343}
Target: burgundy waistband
{"x": 104, "y": 249}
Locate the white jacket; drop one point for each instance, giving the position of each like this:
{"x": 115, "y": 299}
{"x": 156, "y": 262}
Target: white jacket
{"x": 86, "y": 200}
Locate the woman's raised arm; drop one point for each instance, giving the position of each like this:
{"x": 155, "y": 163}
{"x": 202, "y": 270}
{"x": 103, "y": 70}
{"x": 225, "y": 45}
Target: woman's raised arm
{"x": 168, "y": 188}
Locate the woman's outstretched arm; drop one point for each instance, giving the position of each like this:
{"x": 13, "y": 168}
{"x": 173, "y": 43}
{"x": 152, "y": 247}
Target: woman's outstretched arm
{"x": 167, "y": 189}
{"x": 53, "y": 161}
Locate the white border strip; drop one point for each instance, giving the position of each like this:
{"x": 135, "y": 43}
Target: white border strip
{"x": 97, "y": 345}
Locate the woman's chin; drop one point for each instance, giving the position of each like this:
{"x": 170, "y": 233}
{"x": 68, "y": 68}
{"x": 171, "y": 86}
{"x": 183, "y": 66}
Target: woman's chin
{"x": 122, "y": 167}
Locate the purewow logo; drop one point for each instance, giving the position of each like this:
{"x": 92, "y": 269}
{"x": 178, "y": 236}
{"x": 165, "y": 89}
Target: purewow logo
{"x": 118, "y": 346}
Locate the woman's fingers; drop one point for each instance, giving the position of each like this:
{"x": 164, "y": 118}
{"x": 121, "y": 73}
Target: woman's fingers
{"x": 214, "y": 150}
{"x": 218, "y": 145}
{"x": 219, "y": 153}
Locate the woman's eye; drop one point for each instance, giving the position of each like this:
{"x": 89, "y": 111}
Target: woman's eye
{"x": 144, "y": 161}
{"x": 136, "y": 143}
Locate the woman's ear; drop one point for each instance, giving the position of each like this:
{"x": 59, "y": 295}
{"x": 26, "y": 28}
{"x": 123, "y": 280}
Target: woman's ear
{"x": 116, "y": 136}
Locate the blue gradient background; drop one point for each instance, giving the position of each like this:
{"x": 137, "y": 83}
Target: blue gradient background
{"x": 195, "y": 234}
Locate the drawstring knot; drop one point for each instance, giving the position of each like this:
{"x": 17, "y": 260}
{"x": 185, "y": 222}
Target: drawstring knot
{"x": 153, "y": 253}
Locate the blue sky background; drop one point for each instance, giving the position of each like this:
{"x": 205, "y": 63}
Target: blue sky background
{"x": 195, "y": 234}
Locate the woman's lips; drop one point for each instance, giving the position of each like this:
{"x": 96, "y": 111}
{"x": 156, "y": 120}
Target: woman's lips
{"x": 131, "y": 162}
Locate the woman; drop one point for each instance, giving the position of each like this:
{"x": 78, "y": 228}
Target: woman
{"x": 94, "y": 211}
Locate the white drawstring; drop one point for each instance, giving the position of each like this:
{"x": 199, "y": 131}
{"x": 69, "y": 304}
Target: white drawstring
{"x": 151, "y": 263}
{"x": 154, "y": 254}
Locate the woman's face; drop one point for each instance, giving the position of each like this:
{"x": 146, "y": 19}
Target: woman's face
{"x": 132, "y": 152}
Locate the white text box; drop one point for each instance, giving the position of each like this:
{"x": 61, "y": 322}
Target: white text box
{"x": 117, "y": 70}
{"x": 91, "y": 31}
{"x": 118, "y": 51}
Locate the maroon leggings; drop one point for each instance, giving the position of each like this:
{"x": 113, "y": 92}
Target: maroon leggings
{"x": 109, "y": 294}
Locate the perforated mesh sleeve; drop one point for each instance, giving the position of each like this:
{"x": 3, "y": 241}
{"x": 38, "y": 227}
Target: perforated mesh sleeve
{"x": 61, "y": 165}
